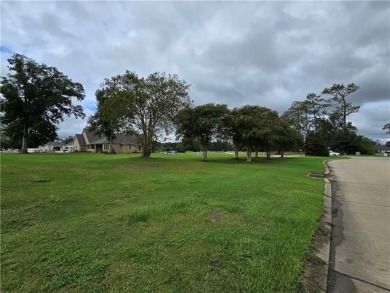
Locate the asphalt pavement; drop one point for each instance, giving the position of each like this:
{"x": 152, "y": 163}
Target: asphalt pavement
{"x": 360, "y": 243}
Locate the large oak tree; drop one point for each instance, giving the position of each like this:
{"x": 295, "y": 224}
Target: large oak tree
{"x": 36, "y": 97}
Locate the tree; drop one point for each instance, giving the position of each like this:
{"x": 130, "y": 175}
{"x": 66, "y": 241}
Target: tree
{"x": 272, "y": 132}
{"x": 232, "y": 124}
{"x": 366, "y": 145}
{"x": 387, "y": 128}
{"x": 315, "y": 145}
{"x": 204, "y": 123}
{"x": 220, "y": 145}
{"x": 244, "y": 129}
{"x": 191, "y": 144}
{"x": 252, "y": 127}
{"x": 35, "y": 97}
{"x": 148, "y": 105}
{"x": 346, "y": 140}
{"x": 287, "y": 138}
{"x": 68, "y": 139}
{"x": 339, "y": 93}
{"x": 40, "y": 132}
{"x": 315, "y": 106}
{"x": 297, "y": 116}
{"x": 109, "y": 119}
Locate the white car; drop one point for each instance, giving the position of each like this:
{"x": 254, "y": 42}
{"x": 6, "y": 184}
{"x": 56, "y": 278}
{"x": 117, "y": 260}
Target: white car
{"x": 333, "y": 154}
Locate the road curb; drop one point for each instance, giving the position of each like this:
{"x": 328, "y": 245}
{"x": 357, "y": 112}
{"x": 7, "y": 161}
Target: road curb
{"x": 316, "y": 271}
{"x": 326, "y": 224}
{"x": 323, "y": 235}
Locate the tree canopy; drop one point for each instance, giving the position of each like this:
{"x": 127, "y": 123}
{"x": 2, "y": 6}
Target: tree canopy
{"x": 143, "y": 106}
{"x": 204, "y": 123}
{"x": 109, "y": 118}
{"x": 249, "y": 127}
{"x": 36, "y": 97}
{"x": 387, "y": 128}
{"x": 339, "y": 93}
{"x": 324, "y": 117}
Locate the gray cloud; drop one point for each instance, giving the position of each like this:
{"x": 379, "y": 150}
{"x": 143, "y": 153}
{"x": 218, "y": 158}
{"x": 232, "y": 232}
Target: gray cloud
{"x": 267, "y": 53}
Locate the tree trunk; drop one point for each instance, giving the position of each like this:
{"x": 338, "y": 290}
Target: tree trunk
{"x": 24, "y": 141}
{"x": 235, "y": 152}
{"x": 344, "y": 113}
{"x": 146, "y": 147}
{"x": 268, "y": 155}
{"x": 111, "y": 150}
{"x": 146, "y": 152}
{"x": 257, "y": 153}
{"x": 205, "y": 158}
{"x": 249, "y": 154}
{"x": 282, "y": 154}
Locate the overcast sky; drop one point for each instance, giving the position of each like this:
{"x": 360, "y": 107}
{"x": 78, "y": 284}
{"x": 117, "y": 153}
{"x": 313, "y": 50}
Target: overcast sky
{"x": 237, "y": 53}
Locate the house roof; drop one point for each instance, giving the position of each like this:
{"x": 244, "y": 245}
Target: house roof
{"x": 382, "y": 148}
{"x": 55, "y": 143}
{"x": 80, "y": 139}
{"x": 121, "y": 138}
{"x": 92, "y": 137}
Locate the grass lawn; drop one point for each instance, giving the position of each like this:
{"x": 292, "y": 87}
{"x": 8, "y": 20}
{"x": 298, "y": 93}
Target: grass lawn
{"x": 120, "y": 223}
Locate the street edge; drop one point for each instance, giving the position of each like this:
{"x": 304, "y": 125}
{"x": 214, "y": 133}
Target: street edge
{"x": 326, "y": 224}
{"x": 315, "y": 273}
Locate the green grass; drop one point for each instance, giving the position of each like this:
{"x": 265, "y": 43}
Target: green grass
{"x": 120, "y": 223}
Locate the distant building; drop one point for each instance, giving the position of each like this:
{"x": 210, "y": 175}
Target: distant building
{"x": 51, "y": 147}
{"x": 89, "y": 141}
{"x": 382, "y": 149}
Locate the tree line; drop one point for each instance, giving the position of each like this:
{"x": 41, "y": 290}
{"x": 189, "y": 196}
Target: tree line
{"x": 322, "y": 121}
{"x": 36, "y": 97}
{"x": 250, "y": 127}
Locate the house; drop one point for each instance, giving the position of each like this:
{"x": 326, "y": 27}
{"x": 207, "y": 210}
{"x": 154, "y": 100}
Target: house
{"x": 55, "y": 146}
{"x": 382, "y": 149}
{"x": 89, "y": 141}
{"x": 52, "y": 146}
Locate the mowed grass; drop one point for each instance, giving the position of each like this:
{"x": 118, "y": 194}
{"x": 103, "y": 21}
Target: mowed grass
{"x": 120, "y": 223}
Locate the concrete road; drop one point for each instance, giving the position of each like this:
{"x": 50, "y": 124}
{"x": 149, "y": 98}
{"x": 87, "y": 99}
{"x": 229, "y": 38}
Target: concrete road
{"x": 360, "y": 245}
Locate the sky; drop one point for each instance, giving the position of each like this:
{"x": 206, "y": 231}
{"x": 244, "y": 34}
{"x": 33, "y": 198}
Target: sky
{"x": 267, "y": 53}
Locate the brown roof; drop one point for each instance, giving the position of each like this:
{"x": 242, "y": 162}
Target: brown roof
{"x": 121, "y": 138}
{"x": 92, "y": 137}
{"x": 81, "y": 139}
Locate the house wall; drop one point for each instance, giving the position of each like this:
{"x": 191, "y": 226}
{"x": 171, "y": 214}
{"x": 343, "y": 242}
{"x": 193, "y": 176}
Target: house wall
{"x": 133, "y": 149}
{"x": 85, "y": 136}
{"x": 119, "y": 148}
{"x": 77, "y": 146}
{"x": 90, "y": 148}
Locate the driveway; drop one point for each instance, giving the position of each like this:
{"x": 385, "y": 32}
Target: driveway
{"x": 360, "y": 245}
